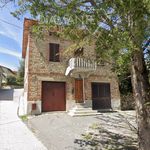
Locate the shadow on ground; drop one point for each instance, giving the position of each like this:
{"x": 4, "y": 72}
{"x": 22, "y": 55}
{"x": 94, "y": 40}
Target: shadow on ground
{"x": 119, "y": 121}
{"x": 103, "y": 139}
{"x": 114, "y": 132}
{"x": 6, "y": 94}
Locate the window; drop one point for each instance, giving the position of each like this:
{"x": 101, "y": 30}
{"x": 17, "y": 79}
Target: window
{"x": 78, "y": 52}
{"x": 100, "y": 61}
{"x": 54, "y": 52}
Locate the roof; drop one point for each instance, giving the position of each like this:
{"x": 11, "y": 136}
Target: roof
{"x": 28, "y": 23}
{"x": 5, "y": 70}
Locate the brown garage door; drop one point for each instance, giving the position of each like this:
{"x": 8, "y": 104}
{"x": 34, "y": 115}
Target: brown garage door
{"x": 101, "y": 98}
{"x": 53, "y": 96}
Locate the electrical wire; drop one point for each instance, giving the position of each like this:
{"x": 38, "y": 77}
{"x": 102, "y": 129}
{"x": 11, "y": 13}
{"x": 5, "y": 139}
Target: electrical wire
{"x": 10, "y": 23}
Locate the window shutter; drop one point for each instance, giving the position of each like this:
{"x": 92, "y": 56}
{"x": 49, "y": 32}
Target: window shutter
{"x": 54, "y": 52}
{"x": 51, "y": 52}
{"x": 57, "y": 52}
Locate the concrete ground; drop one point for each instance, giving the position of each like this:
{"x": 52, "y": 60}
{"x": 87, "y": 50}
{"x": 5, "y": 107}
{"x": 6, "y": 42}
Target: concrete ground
{"x": 14, "y": 135}
{"x": 59, "y": 131}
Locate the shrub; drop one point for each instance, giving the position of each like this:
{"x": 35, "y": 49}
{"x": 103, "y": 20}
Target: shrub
{"x": 11, "y": 80}
{"x": 127, "y": 102}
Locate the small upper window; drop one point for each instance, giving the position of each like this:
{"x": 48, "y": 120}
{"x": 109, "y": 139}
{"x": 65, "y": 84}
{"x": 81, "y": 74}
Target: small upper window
{"x": 54, "y": 52}
{"x": 78, "y": 52}
{"x": 99, "y": 60}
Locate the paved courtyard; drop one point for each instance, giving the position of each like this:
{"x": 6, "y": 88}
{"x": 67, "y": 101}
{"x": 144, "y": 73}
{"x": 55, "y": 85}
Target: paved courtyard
{"x": 14, "y": 135}
{"x": 59, "y": 131}
{"x": 107, "y": 131}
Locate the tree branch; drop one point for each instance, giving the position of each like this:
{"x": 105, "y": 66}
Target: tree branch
{"x": 5, "y": 2}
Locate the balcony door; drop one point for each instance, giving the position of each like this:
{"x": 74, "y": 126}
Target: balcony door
{"x": 79, "y": 90}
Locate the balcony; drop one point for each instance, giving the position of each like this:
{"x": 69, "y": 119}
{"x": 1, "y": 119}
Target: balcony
{"x": 80, "y": 65}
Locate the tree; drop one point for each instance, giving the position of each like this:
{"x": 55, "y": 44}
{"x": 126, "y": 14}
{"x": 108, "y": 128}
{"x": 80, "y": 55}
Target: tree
{"x": 20, "y": 73}
{"x": 147, "y": 55}
{"x": 18, "y": 79}
{"x": 118, "y": 27}
{"x": 3, "y": 3}
{"x": 11, "y": 80}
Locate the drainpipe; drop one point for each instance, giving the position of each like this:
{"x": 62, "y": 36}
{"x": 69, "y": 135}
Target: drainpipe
{"x": 0, "y": 79}
{"x": 83, "y": 90}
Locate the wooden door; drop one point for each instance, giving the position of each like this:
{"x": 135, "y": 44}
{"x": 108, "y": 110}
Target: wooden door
{"x": 53, "y": 96}
{"x": 79, "y": 90}
{"x": 101, "y": 98}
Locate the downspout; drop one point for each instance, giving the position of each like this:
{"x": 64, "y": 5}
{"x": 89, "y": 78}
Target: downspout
{"x": 0, "y": 79}
{"x": 83, "y": 90}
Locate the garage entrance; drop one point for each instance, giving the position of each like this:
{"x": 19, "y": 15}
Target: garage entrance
{"x": 53, "y": 96}
{"x": 101, "y": 97}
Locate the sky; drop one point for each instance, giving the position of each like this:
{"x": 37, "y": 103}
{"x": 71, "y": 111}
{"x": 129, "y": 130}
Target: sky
{"x": 11, "y": 30}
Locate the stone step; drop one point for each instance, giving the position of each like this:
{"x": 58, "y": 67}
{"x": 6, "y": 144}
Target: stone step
{"x": 83, "y": 111}
{"x": 82, "y": 114}
{"x": 105, "y": 110}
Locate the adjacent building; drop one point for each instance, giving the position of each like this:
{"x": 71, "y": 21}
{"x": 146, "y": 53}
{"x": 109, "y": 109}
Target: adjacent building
{"x": 4, "y": 73}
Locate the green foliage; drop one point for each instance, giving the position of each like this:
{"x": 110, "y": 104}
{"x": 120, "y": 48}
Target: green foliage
{"x": 125, "y": 84}
{"x": 11, "y": 80}
{"x": 147, "y": 59}
{"x": 87, "y": 136}
{"x": 24, "y": 117}
{"x": 117, "y": 27}
{"x": 113, "y": 25}
{"x": 19, "y": 79}
{"x": 95, "y": 126}
{"x": 127, "y": 101}
{"x": 20, "y": 73}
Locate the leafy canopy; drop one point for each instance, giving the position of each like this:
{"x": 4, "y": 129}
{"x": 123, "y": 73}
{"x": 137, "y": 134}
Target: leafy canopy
{"x": 118, "y": 27}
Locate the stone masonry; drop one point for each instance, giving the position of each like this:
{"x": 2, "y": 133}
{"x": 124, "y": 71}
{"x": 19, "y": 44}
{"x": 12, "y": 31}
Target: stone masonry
{"x": 38, "y": 68}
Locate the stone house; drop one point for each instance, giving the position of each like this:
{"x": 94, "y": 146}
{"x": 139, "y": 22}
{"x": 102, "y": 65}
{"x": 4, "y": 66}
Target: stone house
{"x": 56, "y": 80}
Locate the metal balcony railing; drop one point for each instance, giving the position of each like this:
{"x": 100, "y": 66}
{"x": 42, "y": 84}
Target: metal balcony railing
{"x": 81, "y": 64}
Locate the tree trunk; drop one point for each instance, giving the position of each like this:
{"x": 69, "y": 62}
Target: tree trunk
{"x": 141, "y": 91}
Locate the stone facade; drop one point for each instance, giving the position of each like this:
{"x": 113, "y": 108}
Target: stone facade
{"x": 38, "y": 68}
